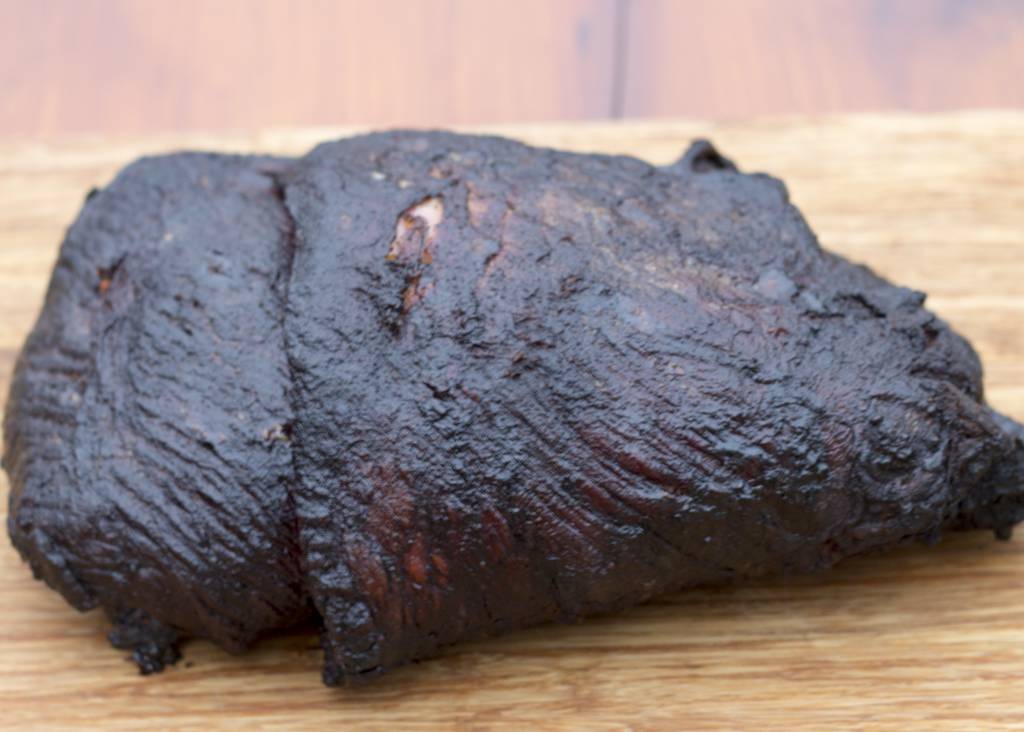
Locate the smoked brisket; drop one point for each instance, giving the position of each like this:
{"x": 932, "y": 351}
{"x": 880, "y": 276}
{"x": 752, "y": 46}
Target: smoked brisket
{"x": 424, "y": 387}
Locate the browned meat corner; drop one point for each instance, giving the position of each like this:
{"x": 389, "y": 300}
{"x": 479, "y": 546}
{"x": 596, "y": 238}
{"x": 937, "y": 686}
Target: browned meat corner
{"x": 424, "y": 387}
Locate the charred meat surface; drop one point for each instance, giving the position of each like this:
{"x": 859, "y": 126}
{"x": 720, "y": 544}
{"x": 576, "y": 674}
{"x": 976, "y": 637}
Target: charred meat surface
{"x": 424, "y": 387}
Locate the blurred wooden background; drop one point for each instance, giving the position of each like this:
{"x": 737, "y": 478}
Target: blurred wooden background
{"x": 125, "y": 66}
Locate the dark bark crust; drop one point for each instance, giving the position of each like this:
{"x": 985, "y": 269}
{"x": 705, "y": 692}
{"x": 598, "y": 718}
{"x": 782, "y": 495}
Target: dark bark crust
{"x": 423, "y": 387}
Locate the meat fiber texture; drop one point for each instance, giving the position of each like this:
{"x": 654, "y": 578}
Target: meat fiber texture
{"x": 424, "y": 387}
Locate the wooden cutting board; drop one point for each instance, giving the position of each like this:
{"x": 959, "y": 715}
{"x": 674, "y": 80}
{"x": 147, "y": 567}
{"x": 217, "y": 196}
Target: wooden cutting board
{"x": 922, "y": 638}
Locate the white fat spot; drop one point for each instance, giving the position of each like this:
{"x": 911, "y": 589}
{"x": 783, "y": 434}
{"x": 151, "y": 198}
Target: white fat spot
{"x": 423, "y": 217}
{"x": 774, "y": 285}
{"x": 430, "y": 211}
{"x": 377, "y": 175}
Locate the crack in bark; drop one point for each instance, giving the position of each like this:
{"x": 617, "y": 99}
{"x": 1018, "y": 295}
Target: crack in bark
{"x": 291, "y": 520}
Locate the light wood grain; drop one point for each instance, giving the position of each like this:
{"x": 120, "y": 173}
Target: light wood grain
{"x": 130, "y": 66}
{"x": 920, "y": 639}
{"x": 742, "y": 57}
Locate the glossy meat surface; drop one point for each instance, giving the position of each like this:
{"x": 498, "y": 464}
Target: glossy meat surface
{"x": 423, "y": 387}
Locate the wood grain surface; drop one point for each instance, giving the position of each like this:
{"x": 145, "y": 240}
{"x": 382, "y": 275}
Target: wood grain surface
{"x": 130, "y": 66}
{"x": 919, "y": 639}
{"x": 742, "y": 57}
